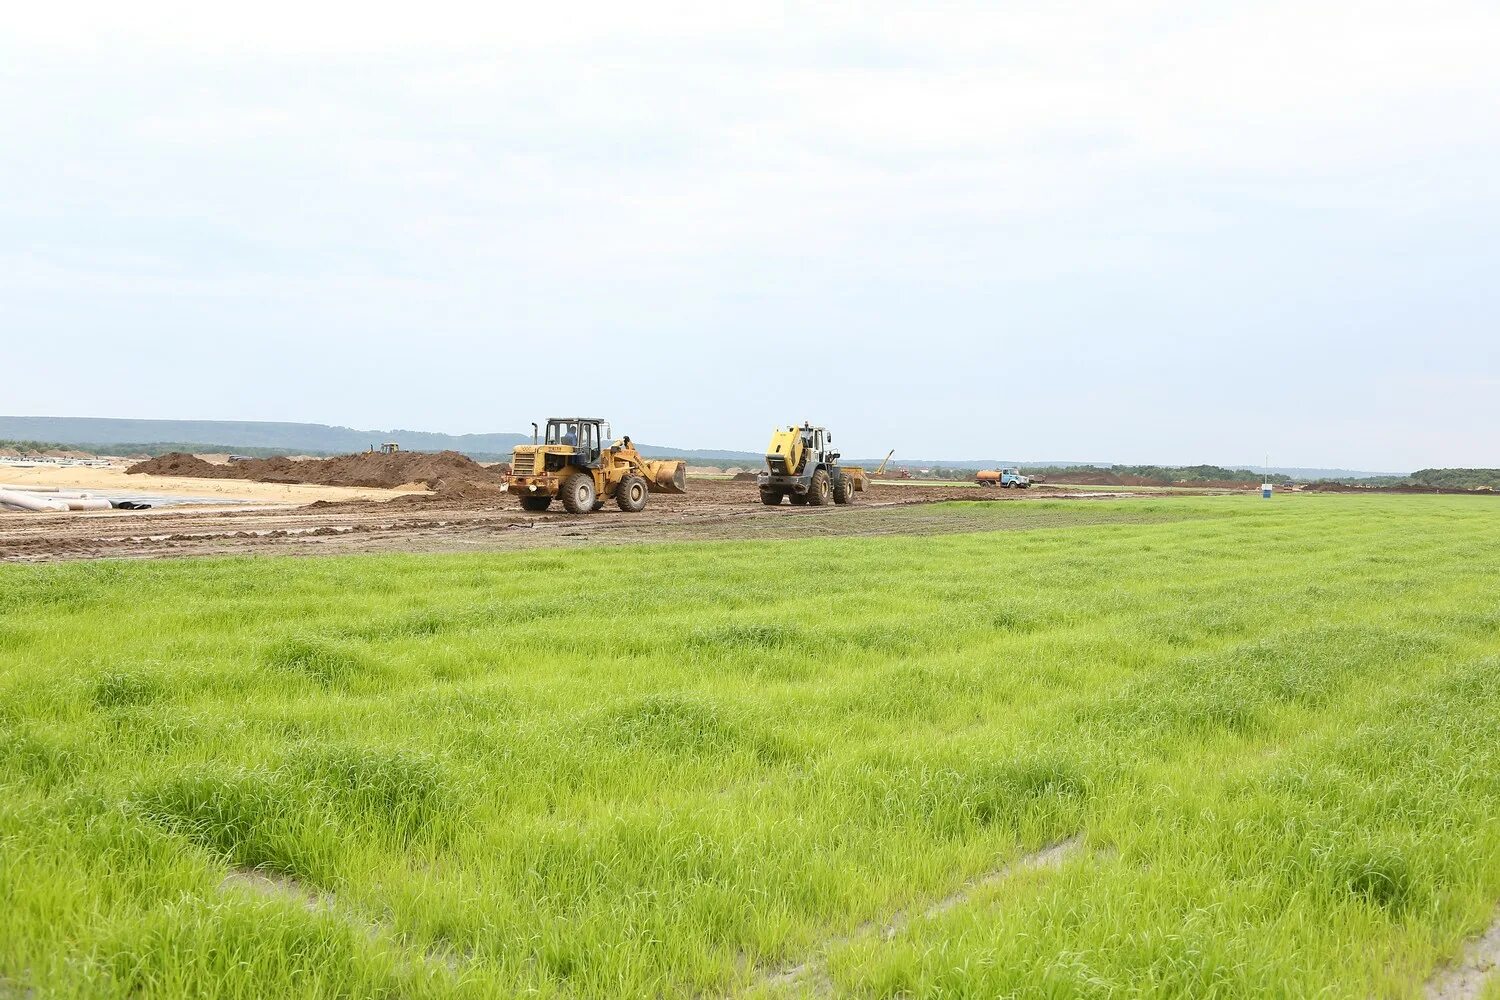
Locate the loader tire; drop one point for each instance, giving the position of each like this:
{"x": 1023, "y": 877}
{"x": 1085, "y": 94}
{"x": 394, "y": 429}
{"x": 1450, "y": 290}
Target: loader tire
{"x": 578, "y": 493}
{"x": 630, "y": 495}
{"x": 843, "y": 490}
{"x": 797, "y": 499}
{"x": 771, "y": 498}
{"x": 821, "y": 490}
{"x": 536, "y": 504}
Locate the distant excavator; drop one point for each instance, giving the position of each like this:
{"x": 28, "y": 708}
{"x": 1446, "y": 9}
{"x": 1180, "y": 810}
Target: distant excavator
{"x": 896, "y": 473}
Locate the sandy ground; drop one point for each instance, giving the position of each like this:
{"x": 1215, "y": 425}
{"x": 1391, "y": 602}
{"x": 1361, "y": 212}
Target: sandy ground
{"x": 712, "y": 509}
{"x": 114, "y": 478}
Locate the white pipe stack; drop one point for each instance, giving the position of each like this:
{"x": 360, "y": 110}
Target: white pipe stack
{"x": 31, "y": 501}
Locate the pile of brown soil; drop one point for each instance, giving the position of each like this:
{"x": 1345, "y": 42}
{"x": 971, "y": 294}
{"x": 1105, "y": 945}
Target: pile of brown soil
{"x": 743, "y": 477}
{"x": 1347, "y": 488}
{"x": 179, "y": 463}
{"x": 1103, "y": 479}
{"x": 446, "y": 470}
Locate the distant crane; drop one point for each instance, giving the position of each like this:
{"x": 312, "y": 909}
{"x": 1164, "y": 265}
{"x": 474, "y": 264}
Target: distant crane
{"x": 881, "y": 469}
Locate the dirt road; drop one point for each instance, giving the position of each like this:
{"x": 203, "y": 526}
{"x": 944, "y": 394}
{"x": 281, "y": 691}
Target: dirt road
{"x": 438, "y": 523}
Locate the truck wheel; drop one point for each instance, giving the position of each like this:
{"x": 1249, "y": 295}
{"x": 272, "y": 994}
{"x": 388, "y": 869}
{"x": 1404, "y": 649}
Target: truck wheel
{"x": 535, "y": 503}
{"x": 821, "y": 490}
{"x": 843, "y": 490}
{"x": 631, "y": 495}
{"x": 1006, "y": 485}
{"x": 578, "y": 493}
{"x": 771, "y": 498}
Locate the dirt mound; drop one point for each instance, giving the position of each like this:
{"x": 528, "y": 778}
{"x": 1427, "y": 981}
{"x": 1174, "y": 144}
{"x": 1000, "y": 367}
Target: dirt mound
{"x": 446, "y": 470}
{"x": 1122, "y": 479}
{"x": 178, "y": 463}
{"x": 1103, "y": 479}
{"x": 1348, "y": 488}
{"x": 742, "y": 477}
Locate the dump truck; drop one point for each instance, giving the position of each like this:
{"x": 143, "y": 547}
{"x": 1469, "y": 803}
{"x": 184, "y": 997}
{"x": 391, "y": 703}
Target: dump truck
{"x": 802, "y": 466}
{"x": 1006, "y": 478}
{"x": 574, "y": 462}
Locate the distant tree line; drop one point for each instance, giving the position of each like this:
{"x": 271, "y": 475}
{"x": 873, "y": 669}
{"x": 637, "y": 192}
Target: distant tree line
{"x": 1452, "y": 479}
{"x": 1168, "y": 473}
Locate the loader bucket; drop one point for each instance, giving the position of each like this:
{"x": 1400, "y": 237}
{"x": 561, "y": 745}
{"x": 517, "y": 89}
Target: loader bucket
{"x": 666, "y": 477}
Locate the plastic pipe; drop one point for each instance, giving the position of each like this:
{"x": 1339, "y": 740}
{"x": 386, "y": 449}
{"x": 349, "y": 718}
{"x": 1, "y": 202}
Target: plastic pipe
{"x": 85, "y": 503}
{"x": 26, "y": 501}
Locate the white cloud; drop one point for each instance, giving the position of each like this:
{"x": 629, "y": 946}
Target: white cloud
{"x": 1015, "y": 185}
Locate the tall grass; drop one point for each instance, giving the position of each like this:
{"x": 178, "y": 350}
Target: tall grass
{"x": 674, "y": 770}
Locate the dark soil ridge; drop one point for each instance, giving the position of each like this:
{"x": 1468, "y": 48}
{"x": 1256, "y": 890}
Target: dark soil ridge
{"x": 443, "y": 471}
{"x": 1347, "y": 488}
{"x": 1120, "y": 479}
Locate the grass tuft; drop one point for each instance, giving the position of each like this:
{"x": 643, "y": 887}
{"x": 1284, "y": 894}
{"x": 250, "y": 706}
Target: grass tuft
{"x": 122, "y": 689}
{"x": 318, "y": 659}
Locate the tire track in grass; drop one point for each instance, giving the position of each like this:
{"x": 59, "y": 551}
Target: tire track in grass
{"x": 274, "y": 885}
{"x": 277, "y": 886}
{"x": 1467, "y": 979}
{"x": 812, "y": 972}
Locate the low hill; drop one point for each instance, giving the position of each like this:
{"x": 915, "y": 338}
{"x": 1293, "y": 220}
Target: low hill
{"x": 119, "y": 436}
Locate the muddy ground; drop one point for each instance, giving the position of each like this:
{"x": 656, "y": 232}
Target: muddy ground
{"x": 445, "y": 523}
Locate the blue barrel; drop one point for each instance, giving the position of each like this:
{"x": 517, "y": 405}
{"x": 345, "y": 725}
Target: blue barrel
{"x": 1265, "y": 491}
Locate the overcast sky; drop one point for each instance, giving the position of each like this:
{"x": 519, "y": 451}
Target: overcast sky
{"x": 1096, "y": 231}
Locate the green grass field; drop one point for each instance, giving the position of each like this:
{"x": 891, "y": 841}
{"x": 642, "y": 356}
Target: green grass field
{"x": 1263, "y": 733}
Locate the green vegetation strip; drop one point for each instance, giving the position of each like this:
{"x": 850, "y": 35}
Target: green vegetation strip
{"x": 1264, "y": 730}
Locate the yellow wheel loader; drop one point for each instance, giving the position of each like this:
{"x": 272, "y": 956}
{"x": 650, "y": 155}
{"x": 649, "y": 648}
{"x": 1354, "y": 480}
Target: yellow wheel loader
{"x": 573, "y": 463}
{"x": 802, "y": 466}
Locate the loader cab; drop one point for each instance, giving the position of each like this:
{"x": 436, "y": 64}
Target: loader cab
{"x": 819, "y": 442}
{"x": 588, "y": 436}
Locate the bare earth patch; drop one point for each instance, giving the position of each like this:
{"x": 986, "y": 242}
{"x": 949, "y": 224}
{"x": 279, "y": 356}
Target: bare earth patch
{"x": 1466, "y": 980}
{"x": 443, "y": 522}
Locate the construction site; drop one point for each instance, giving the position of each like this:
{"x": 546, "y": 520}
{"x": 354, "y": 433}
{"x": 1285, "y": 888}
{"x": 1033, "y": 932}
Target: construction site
{"x": 1047, "y": 544}
{"x": 181, "y": 505}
